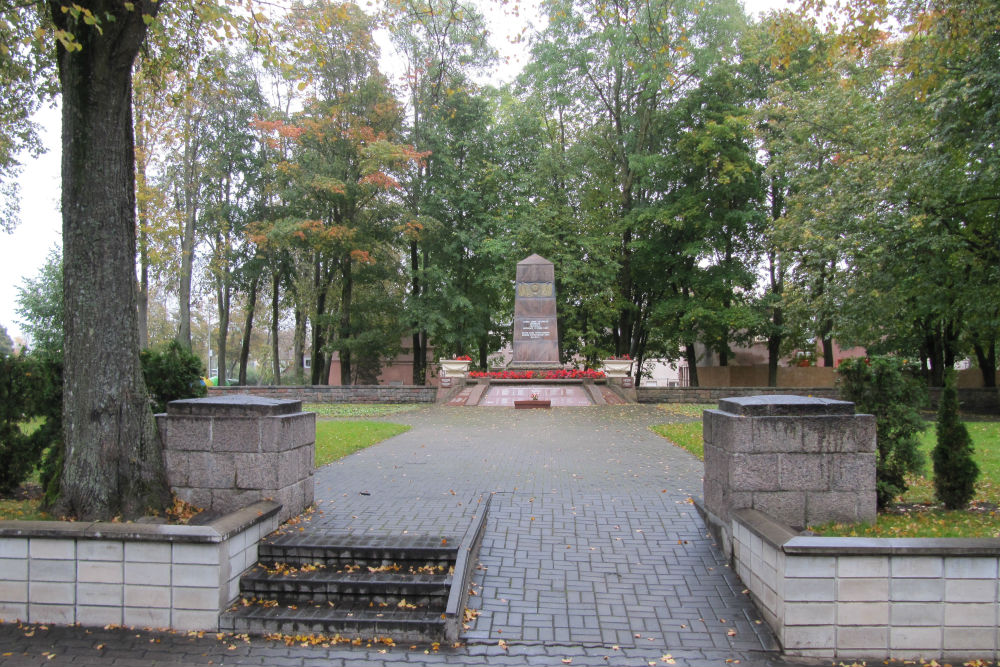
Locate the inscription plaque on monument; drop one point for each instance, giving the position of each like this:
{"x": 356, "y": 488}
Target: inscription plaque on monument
{"x": 536, "y": 334}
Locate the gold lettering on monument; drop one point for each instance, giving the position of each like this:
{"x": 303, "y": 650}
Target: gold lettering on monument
{"x": 535, "y": 289}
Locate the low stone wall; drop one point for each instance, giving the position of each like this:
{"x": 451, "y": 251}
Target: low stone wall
{"x": 871, "y": 599}
{"x": 976, "y": 400}
{"x": 95, "y": 574}
{"x": 756, "y": 376}
{"x": 354, "y": 393}
{"x": 715, "y": 394}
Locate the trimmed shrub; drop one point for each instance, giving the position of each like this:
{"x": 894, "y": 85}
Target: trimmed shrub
{"x": 30, "y": 415}
{"x": 955, "y": 472}
{"x": 890, "y": 389}
{"x": 172, "y": 373}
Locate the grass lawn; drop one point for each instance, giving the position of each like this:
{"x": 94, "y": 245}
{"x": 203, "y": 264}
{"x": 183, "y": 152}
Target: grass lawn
{"x": 335, "y": 439}
{"x": 354, "y": 410}
{"x": 686, "y": 435}
{"x": 916, "y": 514}
{"x": 14, "y": 509}
{"x": 686, "y": 409}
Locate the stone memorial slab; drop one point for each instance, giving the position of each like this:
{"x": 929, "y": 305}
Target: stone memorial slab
{"x": 536, "y": 333}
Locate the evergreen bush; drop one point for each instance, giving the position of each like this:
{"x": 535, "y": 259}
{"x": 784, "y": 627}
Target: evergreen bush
{"x": 890, "y": 389}
{"x": 30, "y": 415}
{"x": 955, "y": 472}
{"x": 172, "y": 373}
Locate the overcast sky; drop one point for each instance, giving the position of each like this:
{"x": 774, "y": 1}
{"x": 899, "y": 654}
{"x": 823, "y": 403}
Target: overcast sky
{"x": 23, "y": 253}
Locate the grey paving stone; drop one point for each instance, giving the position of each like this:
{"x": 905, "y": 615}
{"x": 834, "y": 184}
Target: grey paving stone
{"x": 595, "y": 480}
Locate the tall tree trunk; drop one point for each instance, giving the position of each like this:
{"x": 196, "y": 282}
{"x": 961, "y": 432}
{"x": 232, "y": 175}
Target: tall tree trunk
{"x": 415, "y": 294}
{"x": 190, "y": 196}
{"x": 483, "y": 344}
{"x": 987, "y": 360}
{"x": 316, "y": 354}
{"x": 318, "y": 338}
{"x": 936, "y": 348}
{"x": 113, "y": 461}
{"x": 275, "y": 318}
{"x": 774, "y": 351}
{"x": 346, "y": 294}
{"x": 224, "y": 294}
{"x": 692, "y": 360}
{"x": 423, "y": 332}
{"x": 299, "y": 345}
{"x": 248, "y": 327}
{"x": 828, "y": 360}
{"x": 625, "y": 315}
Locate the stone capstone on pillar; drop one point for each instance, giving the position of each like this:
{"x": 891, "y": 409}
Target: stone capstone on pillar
{"x": 225, "y": 452}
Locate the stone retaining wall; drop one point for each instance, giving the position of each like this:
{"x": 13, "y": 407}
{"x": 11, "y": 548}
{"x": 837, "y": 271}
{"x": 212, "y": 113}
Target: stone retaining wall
{"x": 714, "y": 394}
{"x": 868, "y": 598}
{"x": 337, "y": 394}
{"x": 95, "y": 574}
{"x": 976, "y": 400}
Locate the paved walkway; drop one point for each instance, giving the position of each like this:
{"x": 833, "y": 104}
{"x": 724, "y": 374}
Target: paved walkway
{"x": 593, "y": 554}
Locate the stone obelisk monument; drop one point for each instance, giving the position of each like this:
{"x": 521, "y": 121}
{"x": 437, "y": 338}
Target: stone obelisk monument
{"x": 536, "y": 335}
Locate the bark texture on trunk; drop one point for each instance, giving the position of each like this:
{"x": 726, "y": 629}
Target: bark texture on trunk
{"x": 691, "y": 355}
{"x": 223, "y": 295}
{"x": 987, "y": 359}
{"x": 113, "y": 459}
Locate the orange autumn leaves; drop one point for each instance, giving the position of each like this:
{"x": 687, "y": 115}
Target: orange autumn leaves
{"x": 378, "y": 158}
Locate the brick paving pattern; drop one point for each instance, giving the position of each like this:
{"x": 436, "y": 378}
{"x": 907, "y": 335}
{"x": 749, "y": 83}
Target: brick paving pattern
{"x": 592, "y": 554}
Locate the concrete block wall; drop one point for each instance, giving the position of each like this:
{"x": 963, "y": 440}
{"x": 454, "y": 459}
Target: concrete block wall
{"x": 223, "y": 453}
{"x": 160, "y": 576}
{"x": 337, "y": 394}
{"x": 802, "y": 460}
{"x": 871, "y": 599}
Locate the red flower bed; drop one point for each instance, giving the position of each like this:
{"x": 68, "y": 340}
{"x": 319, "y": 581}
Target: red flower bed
{"x": 540, "y": 375}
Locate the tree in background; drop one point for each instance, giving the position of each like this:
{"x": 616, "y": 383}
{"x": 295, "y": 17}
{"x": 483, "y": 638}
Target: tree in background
{"x": 230, "y": 168}
{"x": 955, "y": 472}
{"x": 40, "y": 306}
{"x": 6, "y": 344}
{"x": 887, "y": 387}
{"x": 27, "y": 80}
{"x": 442, "y": 42}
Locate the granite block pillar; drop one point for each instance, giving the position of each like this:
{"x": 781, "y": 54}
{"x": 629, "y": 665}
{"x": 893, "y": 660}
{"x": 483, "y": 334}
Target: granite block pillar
{"x": 801, "y": 460}
{"x": 226, "y": 452}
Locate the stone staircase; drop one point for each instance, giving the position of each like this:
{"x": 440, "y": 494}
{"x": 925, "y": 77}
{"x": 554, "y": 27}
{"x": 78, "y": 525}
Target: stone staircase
{"x": 409, "y": 589}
